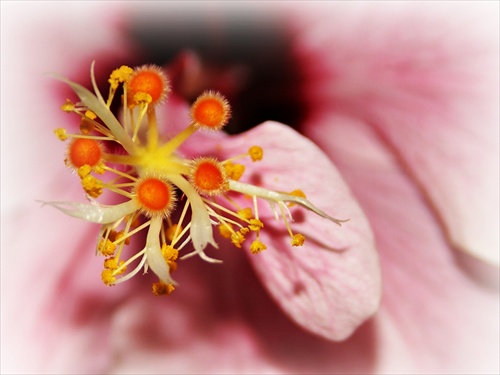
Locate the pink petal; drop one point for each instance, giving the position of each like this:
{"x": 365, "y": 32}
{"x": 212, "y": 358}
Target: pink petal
{"x": 38, "y": 245}
{"x": 426, "y": 78}
{"x": 432, "y": 316}
{"x": 332, "y": 284}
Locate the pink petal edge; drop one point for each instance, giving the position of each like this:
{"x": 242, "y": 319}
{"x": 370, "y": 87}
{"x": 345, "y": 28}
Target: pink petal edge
{"x": 332, "y": 284}
{"x": 438, "y": 89}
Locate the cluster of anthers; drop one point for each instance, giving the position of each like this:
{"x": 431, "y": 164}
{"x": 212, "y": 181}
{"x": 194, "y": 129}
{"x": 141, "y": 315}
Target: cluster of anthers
{"x": 130, "y": 159}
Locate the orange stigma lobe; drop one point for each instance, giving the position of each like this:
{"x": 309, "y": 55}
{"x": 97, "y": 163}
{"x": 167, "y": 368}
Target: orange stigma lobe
{"x": 84, "y": 151}
{"x": 155, "y": 196}
{"x": 148, "y": 80}
{"x": 210, "y": 111}
{"x": 208, "y": 176}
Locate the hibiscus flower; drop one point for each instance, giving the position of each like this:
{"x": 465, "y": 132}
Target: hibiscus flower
{"x": 220, "y": 318}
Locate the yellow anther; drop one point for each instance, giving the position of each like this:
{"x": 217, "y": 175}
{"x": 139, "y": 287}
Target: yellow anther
{"x": 100, "y": 168}
{"x": 61, "y": 134}
{"x": 169, "y": 253}
{"x": 172, "y": 265}
{"x": 86, "y": 126}
{"x": 118, "y": 237}
{"x": 119, "y": 75}
{"x": 298, "y": 239}
{"x": 121, "y": 267}
{"x": 69, "y": 106}
{"x": 113, "y": 265}
{"x": 107, "y": 277}
{"x": 255, "y": 225}
{"x": 170, "y": 232}
{"x": 91, "y": 115}
{"x": 106, "y": 247}
{"x": 226, "y": 230}
{"x": 245, "y": 213}
{"x": 110, "y": 264}
{"x": 237, "y": 238}
{"x": 135, "y": 223}
{"x": 234, "y": 171}
{"x": 296, "y": 193}
{"x": 161, "y": 289}
{"x": 84, "y": 170}
{"x": 256, "y": 153}
{"x": 257, "y": 247}
{"x": 92, "y": 186}
{"x": 142, "y": 98}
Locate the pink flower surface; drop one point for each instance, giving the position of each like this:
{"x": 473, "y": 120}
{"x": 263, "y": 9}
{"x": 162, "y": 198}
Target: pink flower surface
{"x": 407, "y": 118}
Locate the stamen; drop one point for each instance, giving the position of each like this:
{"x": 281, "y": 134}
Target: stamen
{"x": 147, "y": 170}
{"x": 256, "y": 153}
{"x": 61, "y": 134}
{"x": 234, "y": 171}
{"x": 257, "y": 246}
{"x": 161, "y": 289}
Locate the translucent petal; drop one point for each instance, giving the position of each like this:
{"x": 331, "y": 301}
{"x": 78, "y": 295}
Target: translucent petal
{"x": 153, "y": 251}
{"x": 95, "y": 212}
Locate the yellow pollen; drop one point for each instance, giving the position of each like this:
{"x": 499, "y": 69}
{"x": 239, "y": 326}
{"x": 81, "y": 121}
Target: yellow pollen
{"x": 61, "y": 134}
{"x": 118, "y": 237}
{"x": 169, "y": 253}
{"x": 296, "y": 193}
{"x": 255, "y": 225}
{"x": 100, "y": 168}
{"x": 226, "y": 230}
{"x": 84, "y": 170}
{"x": 257, "y": 246}
{"x": 91, "y": 115}
{"x": 106, "y": 247}
{"x": 92, "y": 186}
{"x": 86, "y": 126}
{"x": 298, "y": 239}
{"x": 69, "y": 106}
{"x": 245, "y": 213}
{"x": 234, "y": 171}
{"x": 110, "y": 264}
{"x": 171, "y": 230}
{"x": 237, "y": 238}
{"x": 142, "y": 98}
{"x": 107, "y": 277}
{"x": 256, "y": 153}
{"x": 120, "y": 75}
{"x": 161, "y": 289}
